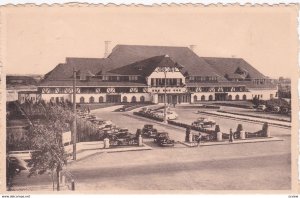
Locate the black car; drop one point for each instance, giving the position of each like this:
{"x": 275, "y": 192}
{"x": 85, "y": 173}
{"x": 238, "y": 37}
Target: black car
{"x": 162, "y": 139}
{"x": 149, "y": 131}
{"x": 122, "y": 139}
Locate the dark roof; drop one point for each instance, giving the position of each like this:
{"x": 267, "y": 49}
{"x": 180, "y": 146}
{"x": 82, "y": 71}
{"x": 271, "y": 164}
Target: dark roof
{"x": 192, "y": 63}
{"x": 92, "y": 82}
{"x": 230, "y": 65}
{"x": 82, "y": 65}
{"x": 147, "y": 66}
{"x": 236, "y": 76}
{"x": 133, "y": 56}
{"x": 20, "y": 80}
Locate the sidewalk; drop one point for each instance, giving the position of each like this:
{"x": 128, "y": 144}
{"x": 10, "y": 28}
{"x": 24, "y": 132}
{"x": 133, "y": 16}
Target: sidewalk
{"x": 236, "y": 141}
{"x": 88, "y": 149}
{"x": 247, "y": 118}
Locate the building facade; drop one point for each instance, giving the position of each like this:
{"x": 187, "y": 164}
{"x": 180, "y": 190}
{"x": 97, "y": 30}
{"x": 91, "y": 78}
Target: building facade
{"x": 154, "y": 74}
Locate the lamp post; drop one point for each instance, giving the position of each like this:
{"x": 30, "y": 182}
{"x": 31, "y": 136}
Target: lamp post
{"x": 74, "y": 110}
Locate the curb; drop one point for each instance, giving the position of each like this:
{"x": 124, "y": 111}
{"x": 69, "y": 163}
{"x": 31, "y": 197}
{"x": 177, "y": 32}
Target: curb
{"x": 245, "y": 119}
{"x": 241, "y": 114}
{"x": 113, "y": 150}
{"x": 257, "y": 140}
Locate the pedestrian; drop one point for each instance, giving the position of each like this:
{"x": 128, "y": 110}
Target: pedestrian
{"x": 230, "y": 136}
{"x": 199, "y": 139}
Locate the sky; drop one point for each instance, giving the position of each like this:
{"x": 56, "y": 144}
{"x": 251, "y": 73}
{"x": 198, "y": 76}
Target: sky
{"x": 38, "y": 38}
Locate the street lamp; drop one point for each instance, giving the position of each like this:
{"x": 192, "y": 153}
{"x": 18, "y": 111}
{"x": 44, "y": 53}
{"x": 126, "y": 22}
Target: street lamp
{"x": 74, "y": 110}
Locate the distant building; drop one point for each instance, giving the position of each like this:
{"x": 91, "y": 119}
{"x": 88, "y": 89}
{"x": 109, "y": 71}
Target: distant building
{"x": 16, "y": 84}
{"x": 284, "y": 87}
{"x": 135, "y": 73}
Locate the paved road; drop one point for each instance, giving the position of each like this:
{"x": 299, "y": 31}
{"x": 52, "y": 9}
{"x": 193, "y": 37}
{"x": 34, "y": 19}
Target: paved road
{"x": 241, "y": 167}
{"x": 185, "y": 169}
{"x": 264, "y": 166}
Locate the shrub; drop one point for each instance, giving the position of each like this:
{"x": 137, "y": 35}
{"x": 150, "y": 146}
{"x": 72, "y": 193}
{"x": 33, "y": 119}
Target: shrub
{"x": 239, "y": 128}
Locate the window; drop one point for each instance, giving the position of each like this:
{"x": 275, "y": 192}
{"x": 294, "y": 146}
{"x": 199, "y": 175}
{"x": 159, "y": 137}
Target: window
{"x": 142, "y": 99}
{"x": 203, "y": 97}
{"x": 133, "y": 78}
{"x": 101, "y": 99}
{"x": 124, "y": 99}
{"x": 244, "y": 97}
{"x": 237, "y": 97}
{"x": 92, "y": 99}
{"x": 230, "y": 97}
{"x": 81, "y": 99}
{"x": 210, "y": 97}
{"x": 133, "y": 99}
{"x": 195, "y": 98}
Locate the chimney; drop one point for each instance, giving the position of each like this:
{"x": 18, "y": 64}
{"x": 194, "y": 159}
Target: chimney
{"x": 106, "y": 50}
{"x": 192, "y": 47}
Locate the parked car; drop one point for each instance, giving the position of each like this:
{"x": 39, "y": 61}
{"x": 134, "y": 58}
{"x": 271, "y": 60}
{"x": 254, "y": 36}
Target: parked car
{"x": 204, "y": 122}
{"x": 149, "y": 131}
{"x": 122, "y": 139}
{"x": 261, "y": 107}
{"x": 162, "y": 139}
{"x": 171, "y": 115}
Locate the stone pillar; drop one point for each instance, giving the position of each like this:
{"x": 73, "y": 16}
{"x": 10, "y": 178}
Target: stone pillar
{"x": 219, "y": 136}
{"x": 106, "y": 143}
{"x": 140, "y": 140}
{"x": 191, "y": 137}
{"x": 155, "y": 98}
{"x": 268, "y": 133}
{"x": 242, "y": 135}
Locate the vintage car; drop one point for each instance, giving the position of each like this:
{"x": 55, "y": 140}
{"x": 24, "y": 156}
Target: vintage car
{"x": 162, "y": 139}
{"x": 204, "y": 122}
{"x": 261, "y": 108}
{"x": 149, "y": 131}
{"x": 122, "y": 139}
{"x": 105, "y": 124}
{"x": 171, "y": 115}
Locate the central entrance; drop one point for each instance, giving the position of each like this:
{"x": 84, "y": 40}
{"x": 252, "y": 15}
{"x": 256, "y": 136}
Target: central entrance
{"x": 221, "y": 96}
{"x": 113, "y": 98}
{"x": 174, "y": 98}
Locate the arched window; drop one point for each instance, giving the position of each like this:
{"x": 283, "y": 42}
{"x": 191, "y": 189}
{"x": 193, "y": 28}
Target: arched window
{"x": 101, "y": 99}
{"x": 92, "y": 99}
{"x": 237, "y": 97}
{"x": 124, "y": 99}
{"x": 133, "y": 99}
{"x": 81, "y": 99}
{"x": 142, "y": 99}
{"x": 230, "y": 97}
{"x": 203, "y": 97}
{"x": 244, "y": 97}
{"x": 195, "y": 98}
{"x": 210, "y": 97}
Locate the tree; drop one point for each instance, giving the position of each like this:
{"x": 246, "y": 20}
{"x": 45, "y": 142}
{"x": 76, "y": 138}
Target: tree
{"x": 46, "y": 140}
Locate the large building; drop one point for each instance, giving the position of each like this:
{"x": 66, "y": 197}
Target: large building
{"x": 136, "y": 73}
{"x": 16, "y": 84}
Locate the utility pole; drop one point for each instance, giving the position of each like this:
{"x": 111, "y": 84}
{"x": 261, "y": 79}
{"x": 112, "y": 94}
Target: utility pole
{"x": 165, "y": 105}
{"x": 74, "y": 111}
